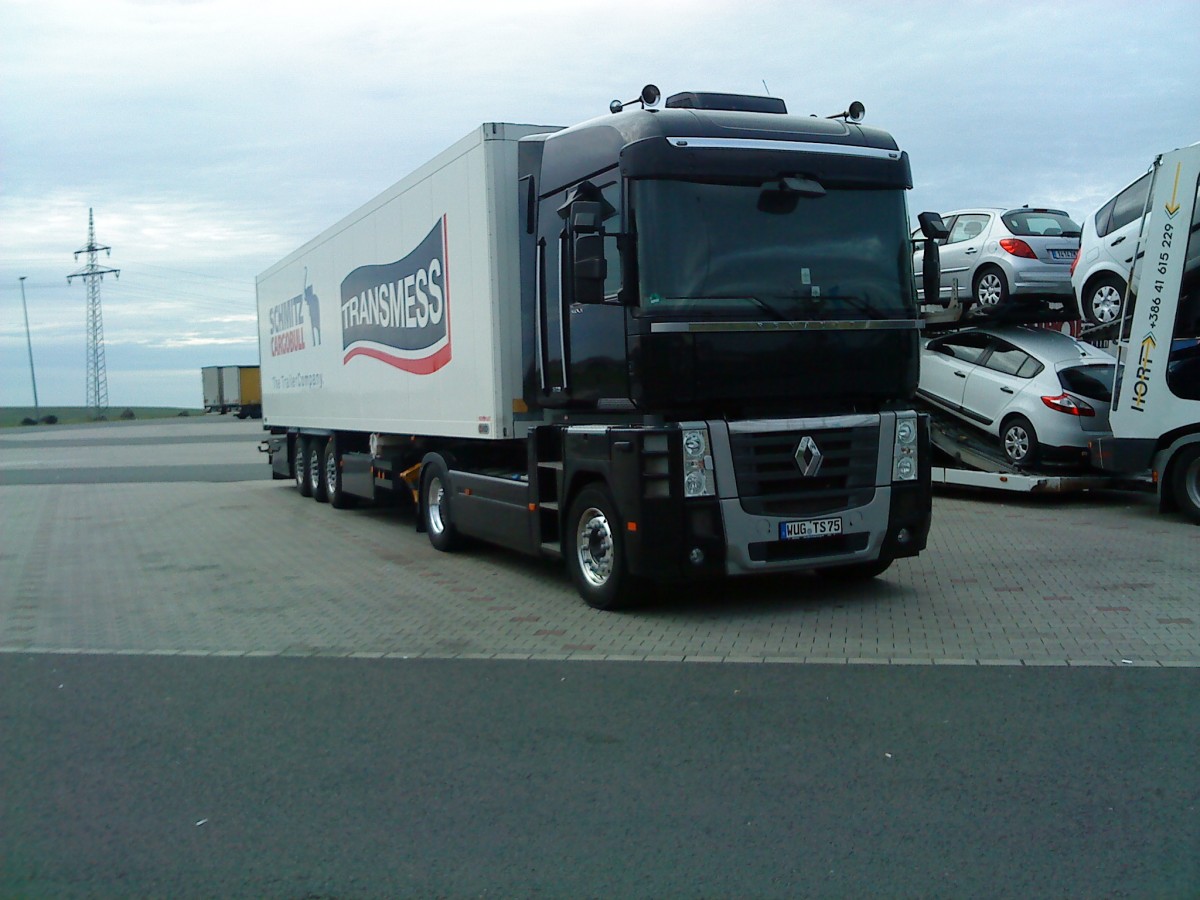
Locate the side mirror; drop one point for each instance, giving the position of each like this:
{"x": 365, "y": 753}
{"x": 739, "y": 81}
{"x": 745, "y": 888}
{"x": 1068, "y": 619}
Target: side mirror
{"x": 933, "y": 227}
{"x": 934, "y": 230}
{"x": 591, "y": 268}
{"x": 587, "y": 217}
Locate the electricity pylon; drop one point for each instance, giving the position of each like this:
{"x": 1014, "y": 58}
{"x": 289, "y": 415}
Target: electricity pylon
{"x": 97, "y": 377}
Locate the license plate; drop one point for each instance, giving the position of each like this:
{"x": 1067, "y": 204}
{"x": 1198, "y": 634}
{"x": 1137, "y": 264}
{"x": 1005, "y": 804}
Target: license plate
{"x": 1063, "y": 254}
{"x": 809, "y": 528}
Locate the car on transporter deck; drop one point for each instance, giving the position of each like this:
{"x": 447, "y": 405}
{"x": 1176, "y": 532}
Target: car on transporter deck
{"x": 1042, "y": 394}
{"x": 993, "y": 254}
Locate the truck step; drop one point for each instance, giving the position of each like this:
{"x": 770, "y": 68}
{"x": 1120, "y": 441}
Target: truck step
{"x": 551, "y": 549}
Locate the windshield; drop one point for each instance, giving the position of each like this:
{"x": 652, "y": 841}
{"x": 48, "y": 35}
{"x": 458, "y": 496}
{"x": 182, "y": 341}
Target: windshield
{"x": 770, "y": 253}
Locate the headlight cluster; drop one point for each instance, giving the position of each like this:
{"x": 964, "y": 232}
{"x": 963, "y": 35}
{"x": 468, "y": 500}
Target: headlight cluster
{"x": 904, "y": 451}
{"x": 699, "y": 480}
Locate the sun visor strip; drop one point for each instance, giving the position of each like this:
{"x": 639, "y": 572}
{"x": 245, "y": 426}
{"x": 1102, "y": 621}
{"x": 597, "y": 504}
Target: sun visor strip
{"x": 706, "y": 159}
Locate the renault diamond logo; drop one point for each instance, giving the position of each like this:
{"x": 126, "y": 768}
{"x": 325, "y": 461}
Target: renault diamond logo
{"x": 808, "y": 457}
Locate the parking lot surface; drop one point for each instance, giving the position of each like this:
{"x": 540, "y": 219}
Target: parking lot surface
{"x": 147, "y": 538}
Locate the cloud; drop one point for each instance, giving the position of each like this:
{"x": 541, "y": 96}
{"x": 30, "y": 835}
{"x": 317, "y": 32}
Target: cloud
{"x": 213, "y": 137}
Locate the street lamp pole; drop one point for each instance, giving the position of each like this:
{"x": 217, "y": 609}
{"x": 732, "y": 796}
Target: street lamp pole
{"x": 29, "y": 344}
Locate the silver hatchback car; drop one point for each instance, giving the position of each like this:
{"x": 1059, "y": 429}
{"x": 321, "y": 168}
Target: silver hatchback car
{"x": 1041, "y": 393}
{"x": 993, "y": 254}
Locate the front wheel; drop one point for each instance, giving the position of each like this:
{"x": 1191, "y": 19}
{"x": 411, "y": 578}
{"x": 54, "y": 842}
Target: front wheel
{"x": 595, "y": 550}
{"x": 991, "y": 289}
{"x": 1185, "y": 483}
{"x": 1019, "y": 441}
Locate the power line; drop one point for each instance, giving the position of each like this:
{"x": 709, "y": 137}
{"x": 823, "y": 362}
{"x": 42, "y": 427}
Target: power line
{"x": 97, "y": 375}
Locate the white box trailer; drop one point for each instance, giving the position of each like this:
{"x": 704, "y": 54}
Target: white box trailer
{"x": 424, "y": 279}
{"x": 210, "y": 384}
{"x": 623, "y": 344}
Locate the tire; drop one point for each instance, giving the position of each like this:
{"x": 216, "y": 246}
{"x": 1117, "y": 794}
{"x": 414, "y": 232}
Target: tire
{"x": 595, "y": 551}
{"x": 856, "y": 571}
{"x": 1185, "y": 483}
{"x": 316, "y": 481}
{"x": 1102, "y": 300}
{"x": 1019, "y": 441}
{"x": 436, "y": 507}
{"x": 300, "y": 467}
{"x": 331, "y": 469}
{"x": 990, "y": 288}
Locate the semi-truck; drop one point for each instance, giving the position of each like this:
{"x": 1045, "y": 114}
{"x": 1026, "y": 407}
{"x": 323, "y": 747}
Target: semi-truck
{"x": 235, "y": 389}
{"x": 673, "y": 342}
{"x": 1155, "y": 415}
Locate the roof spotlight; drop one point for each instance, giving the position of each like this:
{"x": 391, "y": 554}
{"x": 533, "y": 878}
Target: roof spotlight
{"x": 649, "y": 97}
{"x": 853, "y": 115}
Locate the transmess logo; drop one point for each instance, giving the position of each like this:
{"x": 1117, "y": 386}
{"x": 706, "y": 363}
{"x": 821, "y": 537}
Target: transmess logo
{"x": 398, "y": 313}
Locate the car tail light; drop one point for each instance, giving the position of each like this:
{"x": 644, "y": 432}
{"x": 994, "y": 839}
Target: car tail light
{"x": 1017, "y": 247}
{"x": 1072, "y": 406}
{"x": 1074, "y": 263}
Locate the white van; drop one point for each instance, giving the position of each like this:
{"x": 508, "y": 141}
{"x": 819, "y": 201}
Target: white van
{"x": 1106, "y": 247}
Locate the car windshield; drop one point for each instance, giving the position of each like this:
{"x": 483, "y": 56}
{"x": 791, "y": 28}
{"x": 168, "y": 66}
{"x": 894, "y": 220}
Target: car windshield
{"x": 769, "y": 252}
{"x": 1095, "y": 381}
{"x": 1040, "y": 223}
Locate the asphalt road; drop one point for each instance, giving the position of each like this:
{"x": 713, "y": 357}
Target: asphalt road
{"x": 183, "y": 777}
{"x": 172, "y": 722}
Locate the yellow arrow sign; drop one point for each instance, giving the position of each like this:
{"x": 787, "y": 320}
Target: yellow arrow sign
{"x": 1173, "y": 207}
{"x": 1148, "y": 344}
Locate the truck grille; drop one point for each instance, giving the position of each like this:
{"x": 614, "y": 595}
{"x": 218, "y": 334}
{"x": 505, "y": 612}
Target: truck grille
{"x": 770, "y": 481}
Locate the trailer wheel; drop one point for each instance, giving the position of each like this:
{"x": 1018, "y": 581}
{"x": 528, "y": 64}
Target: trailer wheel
{"x": 435, "y": 506}
{"x": 1185, "y": 483}
{"x": 331, "y": 467}
{"x": 1019, "y": 441}
{"x": 595, "y": 551}
{"x": 316, "y": 482}
{"x": 300, "y": 467}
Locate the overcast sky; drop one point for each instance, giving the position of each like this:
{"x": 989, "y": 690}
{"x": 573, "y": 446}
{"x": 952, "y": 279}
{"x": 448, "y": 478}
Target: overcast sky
{"x": 213, "y": 137}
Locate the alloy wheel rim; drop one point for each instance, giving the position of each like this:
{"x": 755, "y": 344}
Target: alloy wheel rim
{"x": 1191, "y": 482}
{"x": 1106, "y": 304}
{"x": 1016, "y": 443}
{"x": 989, "y": 290}
{"x": 437, "y": 496}
{"x": 594, "y": 547}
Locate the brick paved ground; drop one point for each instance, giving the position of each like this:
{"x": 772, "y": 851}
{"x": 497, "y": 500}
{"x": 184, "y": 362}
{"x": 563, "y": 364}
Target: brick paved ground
{"x": 251, "y": 568}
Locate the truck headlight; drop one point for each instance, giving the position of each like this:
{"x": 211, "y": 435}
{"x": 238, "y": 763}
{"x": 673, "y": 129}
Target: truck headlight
{"x": 699, "y": 479}
{"x": 904, "y": 449}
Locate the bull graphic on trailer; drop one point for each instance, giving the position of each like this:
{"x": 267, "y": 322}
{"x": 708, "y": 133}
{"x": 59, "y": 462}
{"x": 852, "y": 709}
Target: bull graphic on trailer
{"x": 398, "y": 312}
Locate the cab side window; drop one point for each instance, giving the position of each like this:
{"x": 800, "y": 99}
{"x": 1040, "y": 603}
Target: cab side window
{"x": 613, "y": 227}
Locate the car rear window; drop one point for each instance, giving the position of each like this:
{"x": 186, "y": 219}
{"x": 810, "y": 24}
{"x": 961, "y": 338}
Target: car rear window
{"x": 1040, "y": 223}
{"x": 1093, "y": 381}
